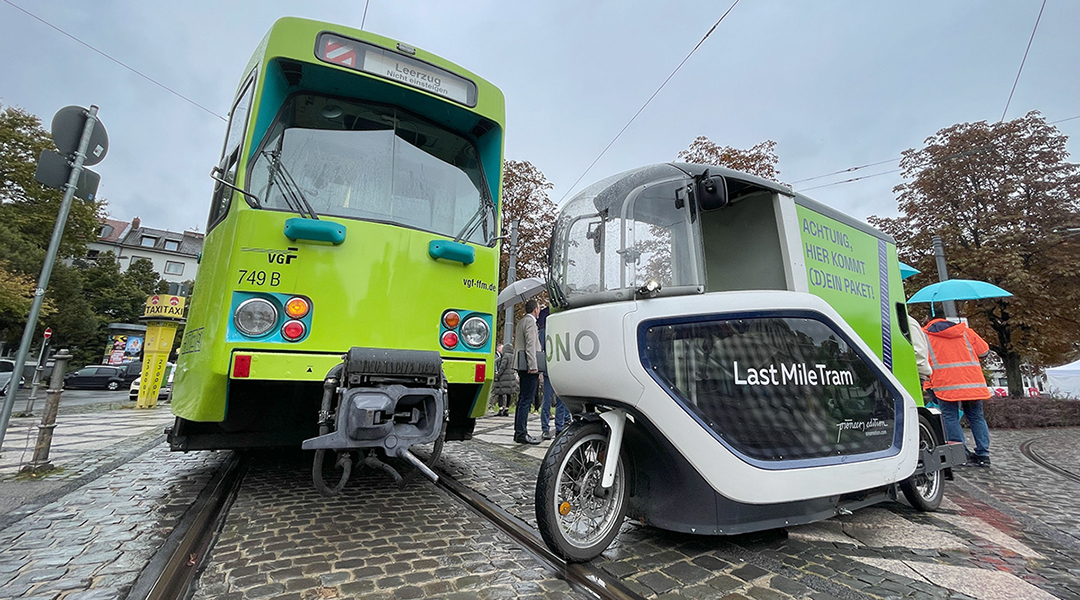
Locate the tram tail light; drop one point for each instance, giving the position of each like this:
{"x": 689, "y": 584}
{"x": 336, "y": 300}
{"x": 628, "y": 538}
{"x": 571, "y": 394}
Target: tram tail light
{"x": 293, "y": 330}
{"x": 449, "y": 340}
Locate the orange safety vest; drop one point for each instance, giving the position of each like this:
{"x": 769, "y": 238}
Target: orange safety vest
{"x": 954, "y": 356}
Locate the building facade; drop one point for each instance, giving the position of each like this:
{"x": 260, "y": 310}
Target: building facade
{"x": 175, "y": 256}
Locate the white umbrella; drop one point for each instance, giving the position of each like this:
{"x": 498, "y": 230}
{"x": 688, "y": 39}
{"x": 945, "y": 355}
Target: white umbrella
{"x": 521, "y": 290}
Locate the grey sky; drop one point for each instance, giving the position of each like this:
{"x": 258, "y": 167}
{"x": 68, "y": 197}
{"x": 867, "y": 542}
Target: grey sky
{"x": 836, "y": 84}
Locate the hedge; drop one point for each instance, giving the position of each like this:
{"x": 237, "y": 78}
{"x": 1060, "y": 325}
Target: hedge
{"x": 1023, "y": 413}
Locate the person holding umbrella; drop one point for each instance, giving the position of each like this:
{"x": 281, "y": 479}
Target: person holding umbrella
{"x": 957, "y": 380}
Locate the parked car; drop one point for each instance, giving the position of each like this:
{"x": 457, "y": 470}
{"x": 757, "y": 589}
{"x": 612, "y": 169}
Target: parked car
{"x": 96, "y": 377}
{"x": 166, "y": 388}
{"x": 7, "y": 369}
{"x": 132, "y": 370}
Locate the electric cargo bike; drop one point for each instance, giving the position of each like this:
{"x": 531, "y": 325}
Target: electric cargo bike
{"x": 737, "y": 358}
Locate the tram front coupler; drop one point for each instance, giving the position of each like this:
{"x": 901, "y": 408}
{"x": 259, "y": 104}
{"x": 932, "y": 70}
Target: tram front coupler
{"x": 386, "y": 402}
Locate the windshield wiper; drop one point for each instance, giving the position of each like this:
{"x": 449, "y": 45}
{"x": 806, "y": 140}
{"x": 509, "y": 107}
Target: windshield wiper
{"x": 486, "y": 206}
{"x": 290, "y": 190}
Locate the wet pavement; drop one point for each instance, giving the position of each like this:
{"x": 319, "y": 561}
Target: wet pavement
{"x": 87, "y": 529}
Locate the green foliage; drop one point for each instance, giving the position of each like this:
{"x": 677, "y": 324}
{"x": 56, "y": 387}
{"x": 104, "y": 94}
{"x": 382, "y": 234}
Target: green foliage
{"x": 28, "y": 207}
{"x": 996, "y": 194}
{"x": 83, "y": 297}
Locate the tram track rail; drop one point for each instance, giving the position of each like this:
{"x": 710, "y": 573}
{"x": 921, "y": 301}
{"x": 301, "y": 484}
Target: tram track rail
{"x": 172, "y": 571}
{"x": 581, "y": 576}
{"x": 1027, "y": 448}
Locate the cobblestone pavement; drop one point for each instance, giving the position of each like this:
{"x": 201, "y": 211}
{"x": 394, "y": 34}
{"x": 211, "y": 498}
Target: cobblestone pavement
{"x": 1004, "y": 532}
{"x": 284, "y": 540}
{"x": 91, "y": 543}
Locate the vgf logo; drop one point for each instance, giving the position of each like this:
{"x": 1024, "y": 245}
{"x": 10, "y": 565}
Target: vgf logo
{"x": 585, "y": 345}
{"x": 281, "y": 258}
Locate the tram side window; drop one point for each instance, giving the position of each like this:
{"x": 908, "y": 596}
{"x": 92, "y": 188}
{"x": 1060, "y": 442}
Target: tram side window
{"x": 230, "y": 157}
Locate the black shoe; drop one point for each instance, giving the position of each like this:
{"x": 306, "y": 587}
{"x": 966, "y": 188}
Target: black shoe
{"x": 546, "y": 435}
{"x": 982, "y": 461}
{"x": 526, "y": 439}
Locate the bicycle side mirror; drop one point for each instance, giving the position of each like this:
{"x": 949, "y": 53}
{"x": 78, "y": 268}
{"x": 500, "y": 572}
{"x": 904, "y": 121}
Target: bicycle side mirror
{"x": 711, "y": 191}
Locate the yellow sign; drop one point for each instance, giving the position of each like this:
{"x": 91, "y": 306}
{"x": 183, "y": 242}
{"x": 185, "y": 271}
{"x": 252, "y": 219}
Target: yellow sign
{"x": 156, "y": 349}
{"x": 164, "y": 307}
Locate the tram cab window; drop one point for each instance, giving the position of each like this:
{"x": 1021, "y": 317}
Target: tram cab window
{"x": 230, "y": 156}
{"x": 376, "y": 163}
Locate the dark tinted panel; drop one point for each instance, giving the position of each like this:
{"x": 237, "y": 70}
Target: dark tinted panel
{"x": 774, "y": 388}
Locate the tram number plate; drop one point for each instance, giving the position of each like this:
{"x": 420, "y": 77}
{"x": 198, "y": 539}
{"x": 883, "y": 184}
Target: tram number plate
{"x": 259, "y": 277}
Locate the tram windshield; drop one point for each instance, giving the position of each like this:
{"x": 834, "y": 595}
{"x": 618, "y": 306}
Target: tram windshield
{"x": 375, "y": 163}
{"x": 627, "y": 232}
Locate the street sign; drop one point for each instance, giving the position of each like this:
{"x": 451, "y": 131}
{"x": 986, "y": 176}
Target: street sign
{"x": 48, "y": 332}
{"x": 67, "y": 129}
{"x": 54, "y": 170}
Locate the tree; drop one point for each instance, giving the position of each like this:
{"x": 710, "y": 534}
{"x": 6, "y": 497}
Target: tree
{"x": 27, "y": 206}
{"x": 525, "y": 198}
{"x": 760, "y": 160}
{"x": 28, "y": 213}
{"x": 996, "y": 193}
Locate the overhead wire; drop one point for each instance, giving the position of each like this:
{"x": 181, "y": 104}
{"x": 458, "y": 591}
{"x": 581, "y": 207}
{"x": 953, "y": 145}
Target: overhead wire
{"x": 117, "y": 61}
{"x": 1021, "y": 70}
{"x": 633, "y": 118}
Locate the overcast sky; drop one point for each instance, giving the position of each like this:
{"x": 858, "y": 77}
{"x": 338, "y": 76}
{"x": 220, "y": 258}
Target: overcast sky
{"x": 836, "y": 84}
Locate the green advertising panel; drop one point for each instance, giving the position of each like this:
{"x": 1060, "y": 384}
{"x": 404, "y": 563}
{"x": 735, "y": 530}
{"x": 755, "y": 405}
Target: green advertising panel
{"x": 857, "y": 274}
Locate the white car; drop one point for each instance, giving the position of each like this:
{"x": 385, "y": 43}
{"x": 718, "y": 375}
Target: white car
{"x": 7, "y": 369}
{"x": 166, "y": 389}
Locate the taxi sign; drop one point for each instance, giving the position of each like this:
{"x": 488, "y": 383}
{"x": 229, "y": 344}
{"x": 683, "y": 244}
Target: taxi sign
{"x": 163, "y": 306}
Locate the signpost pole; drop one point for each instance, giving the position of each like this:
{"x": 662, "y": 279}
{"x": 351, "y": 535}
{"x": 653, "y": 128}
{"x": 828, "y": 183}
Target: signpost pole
{"x": 46, "y": 271}
{"x": 511, "y": 277}
{"x": 943, "y": 275}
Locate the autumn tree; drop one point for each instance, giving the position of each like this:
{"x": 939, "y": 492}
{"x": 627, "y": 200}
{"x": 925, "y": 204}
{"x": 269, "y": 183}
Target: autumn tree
{"x": 760, "y": 160}
{"x": 525, "y": 198}
{"x": 999, "y": 195}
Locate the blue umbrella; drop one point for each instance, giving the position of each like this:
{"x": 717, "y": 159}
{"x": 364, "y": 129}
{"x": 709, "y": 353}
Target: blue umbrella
{"x": 958, "y": 289}
{"x": 907, "y": 270}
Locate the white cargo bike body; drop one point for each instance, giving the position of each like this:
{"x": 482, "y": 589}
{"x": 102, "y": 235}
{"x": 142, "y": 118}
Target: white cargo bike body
{"x": 738, "y": 359}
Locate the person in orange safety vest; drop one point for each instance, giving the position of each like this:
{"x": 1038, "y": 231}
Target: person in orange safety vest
{"x": 957, "y": 381}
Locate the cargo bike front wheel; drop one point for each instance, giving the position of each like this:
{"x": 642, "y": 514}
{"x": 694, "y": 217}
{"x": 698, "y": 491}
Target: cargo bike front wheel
{"x": 577, "y": 518}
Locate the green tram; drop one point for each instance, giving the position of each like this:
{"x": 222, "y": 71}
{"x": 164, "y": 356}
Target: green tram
{"x": 351, "y": 244}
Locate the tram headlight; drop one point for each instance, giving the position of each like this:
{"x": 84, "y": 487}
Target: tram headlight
{"x": 475, "y": 332}
{"x": 255, "y": 317}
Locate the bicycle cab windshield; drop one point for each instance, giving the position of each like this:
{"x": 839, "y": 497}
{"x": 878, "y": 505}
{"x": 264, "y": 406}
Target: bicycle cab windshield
{"x": 635, "y": 232}
{"x": 375, "y": 163}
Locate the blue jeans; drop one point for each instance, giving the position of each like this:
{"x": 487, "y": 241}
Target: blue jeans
{"x": 529, "y": 383}
{"x": 973, "y": 409}
{"x": 562, "y": 414}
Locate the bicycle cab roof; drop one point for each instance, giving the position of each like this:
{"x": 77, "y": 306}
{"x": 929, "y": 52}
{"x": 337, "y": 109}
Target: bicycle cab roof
{"x": 665, "y": 229}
